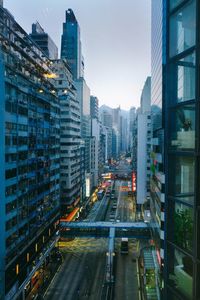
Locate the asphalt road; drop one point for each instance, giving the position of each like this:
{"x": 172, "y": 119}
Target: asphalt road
{"x": 125, "y": 209}
{"x": 82, "y": 273}
{"x": 126, "y": 283}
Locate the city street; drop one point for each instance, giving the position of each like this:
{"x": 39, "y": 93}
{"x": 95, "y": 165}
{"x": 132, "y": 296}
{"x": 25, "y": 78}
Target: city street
{"x": 83, "y": 271}
{"x": 126, "y": 283}
{"x": 125, "y": 207}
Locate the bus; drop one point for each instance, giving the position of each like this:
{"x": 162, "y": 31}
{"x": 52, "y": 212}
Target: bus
{"x": 124, "y": 246}
{"x": 100, "y": 194}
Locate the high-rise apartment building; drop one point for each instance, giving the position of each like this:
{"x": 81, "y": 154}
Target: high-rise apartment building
{"x": 144, "y": 144}
{"x": 95, "y": 150}
{"x": 115, "y": 142}
{"x": 157, "y": 183}
{"x": 83, "y": 96}
{"x": 94, "y": 107}
{"x": 181, "y": 109}
{"x": 29, "y": 158}
{"x": 106, "y": 120}
{"x": 71, "y": 45}
{"x": 70, "y": 137}
{"x": 44, "y": 41}
{"x": 132, "y": 116}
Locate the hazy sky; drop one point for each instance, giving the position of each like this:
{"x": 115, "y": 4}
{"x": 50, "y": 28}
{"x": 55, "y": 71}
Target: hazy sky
{"x": 115, "y": 38}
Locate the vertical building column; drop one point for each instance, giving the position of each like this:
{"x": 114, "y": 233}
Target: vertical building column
{"x": 2, "y": 180}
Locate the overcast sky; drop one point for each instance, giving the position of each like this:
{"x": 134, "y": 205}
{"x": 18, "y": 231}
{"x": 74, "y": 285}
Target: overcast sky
{"x": 115, "y": 38}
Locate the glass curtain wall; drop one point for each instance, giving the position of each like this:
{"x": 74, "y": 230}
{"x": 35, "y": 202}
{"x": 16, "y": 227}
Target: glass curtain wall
{"x": 181, "y": 138}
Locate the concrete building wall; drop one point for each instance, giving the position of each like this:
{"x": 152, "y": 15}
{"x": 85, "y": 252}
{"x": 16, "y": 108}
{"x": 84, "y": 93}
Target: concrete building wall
{"x": 29, "y": 157}
{"x": 70, "y": 133}
{"x": 141, "y": 158}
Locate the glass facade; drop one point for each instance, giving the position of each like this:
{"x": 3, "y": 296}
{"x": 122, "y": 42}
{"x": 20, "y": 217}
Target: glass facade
{"x": 71, "y": 44}
{"x": 182, "y": 29}
{"x": 157, "y": 186}
{"x": 182, "y": 79}
{"x": 181, "y": 115}
{"x": 156, "y": 64}
{"x": 175, "y": 3}
{"x": 182, "y": 127}
{"x": 180, "y": 273}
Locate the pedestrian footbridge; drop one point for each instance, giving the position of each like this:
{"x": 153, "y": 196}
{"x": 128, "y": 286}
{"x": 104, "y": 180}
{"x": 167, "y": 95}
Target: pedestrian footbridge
{"x": 139, "y": 230}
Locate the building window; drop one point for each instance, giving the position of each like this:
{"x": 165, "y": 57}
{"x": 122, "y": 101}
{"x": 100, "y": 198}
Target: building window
{"x": 186, "y": 78}
{"x": 175, "y": 3}
{"x": 180, "y": 272}
{"x": 181, "y": 225}
{"x": 181, "y": 176}
{"x": 182, "y": 123}
{"x": 182, "y": 29}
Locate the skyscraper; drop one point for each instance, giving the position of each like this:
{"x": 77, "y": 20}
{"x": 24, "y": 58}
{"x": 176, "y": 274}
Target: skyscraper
{"x": 175, "y": 116}
{"x": 83, "y": 96}
{"x": 29, "y": 158}
{"x": 71, "y": 45}
{"x": 94, "y": 107}
{"x": 44, "y": 41}
{"x": 70, "y": 138}
{"x": 143, "y": 144}
{"x": 157, "y": 183}
{"x": 182, "y": 257}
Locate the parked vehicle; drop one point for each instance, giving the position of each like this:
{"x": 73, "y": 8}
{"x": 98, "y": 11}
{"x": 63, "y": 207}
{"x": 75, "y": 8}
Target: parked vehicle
{"x": 124, "y": 246}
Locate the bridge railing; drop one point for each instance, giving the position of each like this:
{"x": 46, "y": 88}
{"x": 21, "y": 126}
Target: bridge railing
{"x": 101, "y": 229}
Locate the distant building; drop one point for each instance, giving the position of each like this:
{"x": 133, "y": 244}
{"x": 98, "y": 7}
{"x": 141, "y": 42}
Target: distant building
{"x": 95, "y": 150}
{"x": 44, "y": 41}
{"x": 123, "y": 134}
{"x": 104, "y": 133}
{"x": 94, "y": 107}
{"x": 115, "y": 142}
{"x": 71, "y": 45}
{"x": 106, "y": 120}
{"x": 144, "y": 144}
{"x": 132, "y": 116}
{"x": 83, "y": 96}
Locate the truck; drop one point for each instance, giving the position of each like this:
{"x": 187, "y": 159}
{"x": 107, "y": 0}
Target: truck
{"x": 124, "y": 245}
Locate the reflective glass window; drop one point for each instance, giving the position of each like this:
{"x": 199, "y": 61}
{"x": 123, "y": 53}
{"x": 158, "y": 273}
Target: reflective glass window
{"x": 198, "y": 236}
{"x": 182, "y": 79}
{"x": 175, "y": 3}
{"x": 183, "y": 226}
{"x": 186, "y": 78}
{"x": 183, "y": 127}
{"x": 184, "y": 198}
{"x": 182, "y": 29}
{"x": 180, "y": 273}
{"x": 181, "y": 176}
